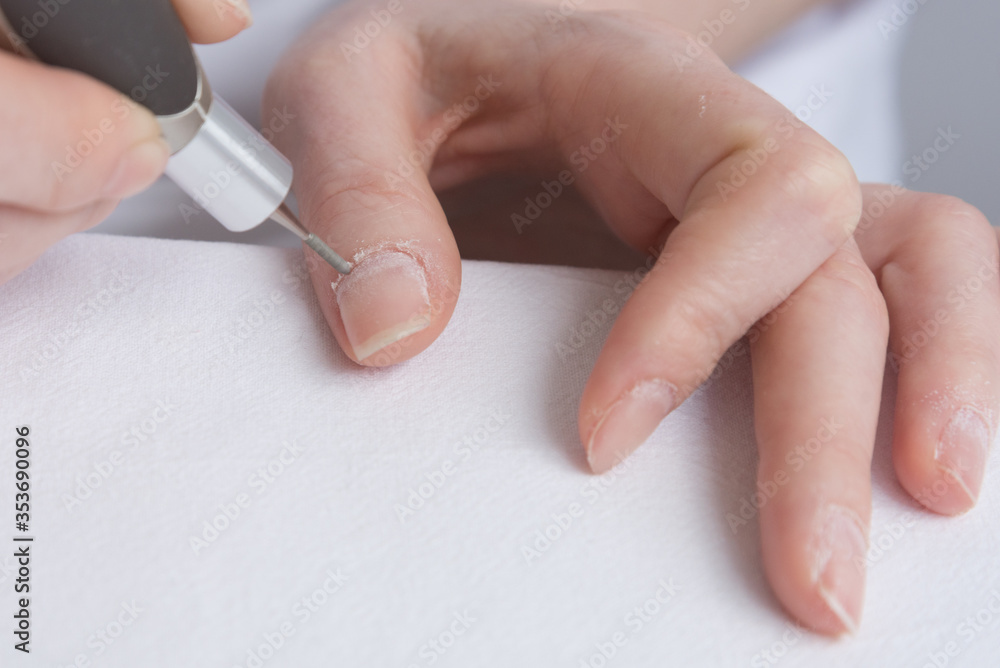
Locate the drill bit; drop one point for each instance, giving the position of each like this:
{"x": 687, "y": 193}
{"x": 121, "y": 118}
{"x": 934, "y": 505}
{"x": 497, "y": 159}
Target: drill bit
{"x": 284, "y": 217}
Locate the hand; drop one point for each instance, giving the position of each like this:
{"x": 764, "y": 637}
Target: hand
{"x": 817, "y": 365}
{"x": 446, "y": 92}
{"x": 674, "y": 152}
{"x": 73, "y": 147}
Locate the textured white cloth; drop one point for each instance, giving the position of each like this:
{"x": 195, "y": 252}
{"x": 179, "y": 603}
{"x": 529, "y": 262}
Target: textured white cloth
{"x": 162, "y": 380}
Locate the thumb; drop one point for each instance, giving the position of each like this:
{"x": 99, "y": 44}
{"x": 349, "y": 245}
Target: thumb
{"x": 362, "y": 186}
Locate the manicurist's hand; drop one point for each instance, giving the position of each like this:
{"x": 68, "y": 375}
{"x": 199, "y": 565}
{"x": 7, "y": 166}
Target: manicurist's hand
{"x": 73, "y": 147}
{"x": 750, "y": 211}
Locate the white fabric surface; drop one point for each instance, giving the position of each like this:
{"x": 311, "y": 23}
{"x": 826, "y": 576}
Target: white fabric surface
{"x": 105, "y": 335}
{"x": 837, "y": 49}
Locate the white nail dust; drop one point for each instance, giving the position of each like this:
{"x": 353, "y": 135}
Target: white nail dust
{"x": 356, "y": 286}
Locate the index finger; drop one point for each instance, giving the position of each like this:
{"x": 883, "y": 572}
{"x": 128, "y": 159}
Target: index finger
{"x": 751, "y": 200}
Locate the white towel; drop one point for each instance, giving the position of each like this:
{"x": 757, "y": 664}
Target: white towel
{"x": 433, "y": 513}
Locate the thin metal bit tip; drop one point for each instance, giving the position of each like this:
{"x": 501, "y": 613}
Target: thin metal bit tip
{"x": 284, "y": 217}
{"x": 325, "y": 252}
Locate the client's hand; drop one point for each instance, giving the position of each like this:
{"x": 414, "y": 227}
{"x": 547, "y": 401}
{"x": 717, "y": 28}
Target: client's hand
{"x": 395, "y": 101}
{"x": 817, "y": 365}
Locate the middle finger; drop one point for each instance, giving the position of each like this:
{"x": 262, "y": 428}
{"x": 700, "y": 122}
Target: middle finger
{"x": 817, "y": 373}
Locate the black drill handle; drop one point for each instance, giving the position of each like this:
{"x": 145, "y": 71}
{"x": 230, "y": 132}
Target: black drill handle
{"x": 138, "y": 47}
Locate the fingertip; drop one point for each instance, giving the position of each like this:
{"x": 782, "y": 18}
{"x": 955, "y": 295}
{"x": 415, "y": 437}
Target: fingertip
{"x": 943, "y": 468}
{"x": 211, "y": 21}
{"x": 611, "y": 433}
{"x": 383, "y": 300}
{"x": 817, "y": 568}
{"x": 393, "y": 304}
{"x": 937, "y": 261}
{"x": 839, "y": 570}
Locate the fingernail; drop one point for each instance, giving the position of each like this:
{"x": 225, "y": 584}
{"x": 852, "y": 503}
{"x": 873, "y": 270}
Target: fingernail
{"x": 383, "y": 299}
{"x": 138, "y": 169}
{"x": 243, "y": 9}
{"x": 839, "y": 565}
{"x": 961, "y": 452}
{"x": 628, "y": 422}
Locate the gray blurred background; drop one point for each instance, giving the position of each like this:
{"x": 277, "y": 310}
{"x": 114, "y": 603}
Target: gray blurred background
{"x": 951, "y": 76}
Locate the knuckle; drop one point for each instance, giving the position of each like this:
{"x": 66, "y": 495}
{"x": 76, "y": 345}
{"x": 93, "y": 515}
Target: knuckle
{"x": 847, "y": 284}
{"x": 823, "y": 182}
{"x": 368, "y": 193}
{"x": 942, "y": 228}
{"x": 950, "y": 218}
{"x": 298, "y": 75}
